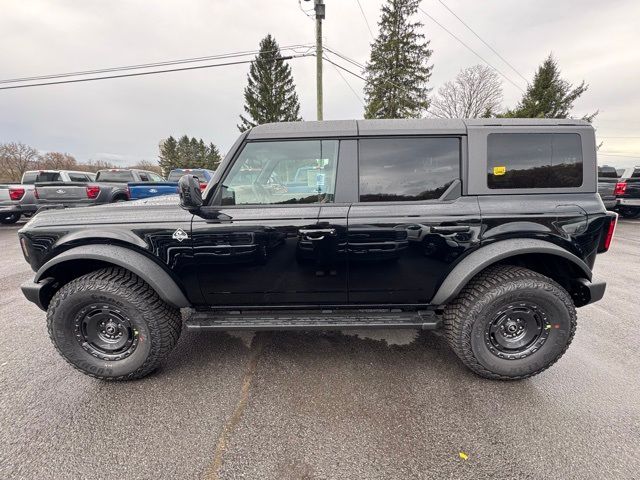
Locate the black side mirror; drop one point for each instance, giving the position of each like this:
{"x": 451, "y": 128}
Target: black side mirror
{"x": 190, "y": 193}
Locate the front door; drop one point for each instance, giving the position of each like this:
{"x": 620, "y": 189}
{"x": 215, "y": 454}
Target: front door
{"x": 261, "y": 241}
{"x": 411, "y": 223}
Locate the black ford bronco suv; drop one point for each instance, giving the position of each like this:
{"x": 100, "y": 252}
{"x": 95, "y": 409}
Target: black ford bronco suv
{"x": 487, "y": 229}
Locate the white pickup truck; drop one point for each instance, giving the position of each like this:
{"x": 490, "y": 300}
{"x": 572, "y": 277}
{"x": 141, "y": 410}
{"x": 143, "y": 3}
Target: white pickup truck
{"x": 19, "y": 199}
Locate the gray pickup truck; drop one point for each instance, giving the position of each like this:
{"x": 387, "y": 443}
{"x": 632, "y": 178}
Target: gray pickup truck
{"x": 109, "y": 186}
{"x": 17, "y": 200}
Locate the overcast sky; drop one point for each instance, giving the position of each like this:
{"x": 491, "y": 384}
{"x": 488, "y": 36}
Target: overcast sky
{"x": 122, "y": 120}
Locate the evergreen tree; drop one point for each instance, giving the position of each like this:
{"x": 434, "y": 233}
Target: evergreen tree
{"x": 188, "y": 153}
{"x": 270, "y": 95}
{"x": 397, "y": 73}
{"x": 213, "y": 157}
{"x": 168, "y": 155}
{"x": 549, "y": 96}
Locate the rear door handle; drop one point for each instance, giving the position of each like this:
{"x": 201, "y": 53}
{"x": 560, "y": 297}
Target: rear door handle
{"x": 451, "y": 229}
{"x": 318, "y": 234}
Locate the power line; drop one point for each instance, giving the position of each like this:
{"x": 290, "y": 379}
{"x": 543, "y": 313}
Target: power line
{"x": 483, "y": 41}
{"x": 471, "y": 50}
{"x": 345, "y": 69}
{"x": 365, "y": 19}
{"x": 150, "y": 65}
{"x": 345, "y": 81}
{"x": 344, "y": 57}
{"x": 155, "y": 72}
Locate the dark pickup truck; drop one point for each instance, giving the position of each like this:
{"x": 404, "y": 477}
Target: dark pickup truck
{"x": 487, "y": 229}
{"x": 627, "y": 193}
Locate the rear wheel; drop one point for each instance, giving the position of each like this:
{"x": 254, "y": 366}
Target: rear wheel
{"x": 629, "y": 212}
{"x": 8, "y": 218}
{"x": 111, "y": 325}
{"x": 510, "y": 323}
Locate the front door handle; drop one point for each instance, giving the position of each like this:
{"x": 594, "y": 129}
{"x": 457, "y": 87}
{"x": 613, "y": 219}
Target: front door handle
{"x": 451, "y": 229}
{"x": 317, "y": 234}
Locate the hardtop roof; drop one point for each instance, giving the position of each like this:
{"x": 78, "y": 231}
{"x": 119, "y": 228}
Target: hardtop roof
{"x": 346, "y": 128}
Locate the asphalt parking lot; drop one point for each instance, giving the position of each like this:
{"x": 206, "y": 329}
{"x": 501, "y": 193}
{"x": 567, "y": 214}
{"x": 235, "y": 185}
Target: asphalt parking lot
{"x": 307, "y": 406}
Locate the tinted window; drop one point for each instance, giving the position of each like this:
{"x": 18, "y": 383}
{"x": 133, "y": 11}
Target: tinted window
{"x": 48, "y": 177}
{"x": 283, "y": 172}
{"x": 607, "y": 172}
{"x": 143, "y": 177}
{"x": 534, "y": 160}
{"x": 115, "y": 176}
{"x": 77, "y": 177}
{"x": 407, "y": 169}
{"x": 176, "y": 175}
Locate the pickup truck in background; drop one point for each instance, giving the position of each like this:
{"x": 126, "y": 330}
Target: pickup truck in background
{"x": 109, "y": 186}
{"x": 607, "y": 180}
{"x": 138, "y": 191}
{"x": 17, "y": 200}
{"x": 627, "y": 192}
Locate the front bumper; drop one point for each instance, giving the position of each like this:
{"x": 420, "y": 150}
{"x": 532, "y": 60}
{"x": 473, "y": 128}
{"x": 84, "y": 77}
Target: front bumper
{"x": 40, "y": 292}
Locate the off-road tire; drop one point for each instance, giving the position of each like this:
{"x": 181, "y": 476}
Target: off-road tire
{"x": 157, "y": 324}
{"x": 8, "y": 219}
{"x": 469, "y": 315}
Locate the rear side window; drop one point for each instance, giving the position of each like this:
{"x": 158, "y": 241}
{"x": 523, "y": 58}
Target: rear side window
{"x": 407, "y": 169}
{"x": 534, "y": 160}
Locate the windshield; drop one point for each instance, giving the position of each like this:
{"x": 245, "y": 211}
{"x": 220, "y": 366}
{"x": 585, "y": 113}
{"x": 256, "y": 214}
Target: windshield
{"x": 117, "y": 176}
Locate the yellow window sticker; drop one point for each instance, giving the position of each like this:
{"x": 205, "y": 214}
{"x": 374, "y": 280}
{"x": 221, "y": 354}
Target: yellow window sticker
{"x": 499, "y": 170}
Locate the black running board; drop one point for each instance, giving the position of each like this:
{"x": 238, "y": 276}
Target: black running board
{"x": 312, "y": 320}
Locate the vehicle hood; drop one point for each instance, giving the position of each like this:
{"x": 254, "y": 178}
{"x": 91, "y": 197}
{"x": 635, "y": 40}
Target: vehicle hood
{"x": 150, "y": 210}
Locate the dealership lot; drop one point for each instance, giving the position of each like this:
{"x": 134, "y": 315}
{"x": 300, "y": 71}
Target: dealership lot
{"x": 308, "y": 405}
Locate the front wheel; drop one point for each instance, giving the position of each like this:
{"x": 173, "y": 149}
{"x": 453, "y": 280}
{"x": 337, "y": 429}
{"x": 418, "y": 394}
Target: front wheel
{"x": 112, "y": 325}
{"x": 510, "y": 323}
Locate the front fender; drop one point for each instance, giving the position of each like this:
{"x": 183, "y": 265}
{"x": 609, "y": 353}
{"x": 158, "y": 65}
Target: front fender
{"x": 485, "y": 256}
{"x": 151, "y": 272}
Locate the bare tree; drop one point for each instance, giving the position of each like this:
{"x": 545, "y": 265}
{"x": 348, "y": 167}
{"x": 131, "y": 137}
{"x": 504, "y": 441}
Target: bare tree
{"x": 57, "y": 161}
{"x": 148, "y": 165}
{"x": 15, "y": 159}
{"x": 475, "y": 92}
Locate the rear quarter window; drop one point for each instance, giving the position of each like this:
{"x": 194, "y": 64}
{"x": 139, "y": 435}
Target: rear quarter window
{"x": 534, "y": 160}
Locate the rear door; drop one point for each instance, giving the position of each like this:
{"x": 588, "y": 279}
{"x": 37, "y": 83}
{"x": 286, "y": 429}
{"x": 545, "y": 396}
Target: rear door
{"x": 260, "y": 241}
{"x": 410, "y": 223}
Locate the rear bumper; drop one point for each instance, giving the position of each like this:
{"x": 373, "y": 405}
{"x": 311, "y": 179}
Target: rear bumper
{"x": 38, "y": 292}
{"x": 628, "y": 202}
{"x": 592, "y": 291}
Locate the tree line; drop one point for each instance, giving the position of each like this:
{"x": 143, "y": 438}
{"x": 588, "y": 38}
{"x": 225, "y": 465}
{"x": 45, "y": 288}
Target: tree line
{"x": 17, "y": 158}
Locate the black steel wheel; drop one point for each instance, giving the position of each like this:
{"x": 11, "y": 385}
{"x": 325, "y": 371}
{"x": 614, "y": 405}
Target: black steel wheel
{"x": 517, "y": 331}
{"x": 510, "y": 323}
{"x": 105, "y": 331}
{"x": 112, "y": 325}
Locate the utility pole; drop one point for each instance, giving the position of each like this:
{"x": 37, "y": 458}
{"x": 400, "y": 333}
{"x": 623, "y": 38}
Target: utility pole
{"x": 320, "y": 13}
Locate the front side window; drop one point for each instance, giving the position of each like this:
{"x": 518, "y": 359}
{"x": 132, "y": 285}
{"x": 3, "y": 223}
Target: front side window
{"x": 407, "y": 169}
{"x": 534, "y": 160}
{"x": 283, "y": 172}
